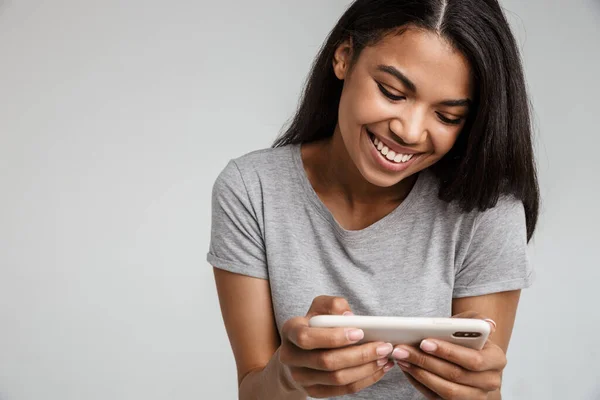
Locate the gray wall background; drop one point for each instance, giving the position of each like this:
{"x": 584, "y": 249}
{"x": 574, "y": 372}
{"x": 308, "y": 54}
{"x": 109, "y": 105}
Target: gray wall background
{"x": 116, "y": 117}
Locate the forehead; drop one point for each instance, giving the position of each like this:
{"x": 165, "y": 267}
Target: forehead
{"x": 426, "y": 58}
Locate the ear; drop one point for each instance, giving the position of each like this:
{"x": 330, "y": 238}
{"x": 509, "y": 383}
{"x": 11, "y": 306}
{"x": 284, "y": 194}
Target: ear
{"x": 342, "y": 58}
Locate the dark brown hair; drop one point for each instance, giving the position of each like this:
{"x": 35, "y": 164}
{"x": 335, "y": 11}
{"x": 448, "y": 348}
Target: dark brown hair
{"x": 493, "y": 154}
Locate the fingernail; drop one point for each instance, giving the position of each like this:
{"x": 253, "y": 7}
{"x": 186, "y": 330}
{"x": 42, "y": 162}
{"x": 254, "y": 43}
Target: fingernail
{"x": 491, "y": 321}
{"x": 400, "y": 354}
{"x": 384, "y": 349}
{"x": 403, "y": 364}
{"x": 355, "y": 334}
{"x": 388, "y": 366}
{"x": 429, "y": 346}
{"x": 348, "y": 313}
{"x": 381, "y": 362}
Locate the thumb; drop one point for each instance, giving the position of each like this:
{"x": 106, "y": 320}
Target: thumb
{"x": 329, "y": 305}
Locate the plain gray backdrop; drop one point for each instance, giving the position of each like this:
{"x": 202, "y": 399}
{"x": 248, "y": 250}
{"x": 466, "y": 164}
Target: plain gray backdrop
{"x": 115, "y": 119}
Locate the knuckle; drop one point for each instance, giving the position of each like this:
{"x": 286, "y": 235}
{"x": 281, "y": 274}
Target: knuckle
{"x": 303, "y": 338}
{"x": 477, "y": 363}
{"x": 338, "y": 378}
{"x": 319, "y": 299}
{"x": 421, "y": 359}
{"x": 456, "y": 374}
{"x": 452, "y": 393}
{"x": 446, "y": 352}
{"x": 288, "y": 327}
{"x": 366, "y": 355}
{"x": 326, "y": 361}
{"x": 495, "y": 382}
{"x": 338, "y": 304}
{"x": 336, "y": 338}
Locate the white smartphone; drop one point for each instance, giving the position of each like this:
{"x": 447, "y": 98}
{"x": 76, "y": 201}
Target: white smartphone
{"x": 471, "y": 333}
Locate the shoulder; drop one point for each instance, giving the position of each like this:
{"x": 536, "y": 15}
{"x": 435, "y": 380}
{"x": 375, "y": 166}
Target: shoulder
{"x": 266, "y": 162}
{"x": 507, "y": 216}
{"x": 251, "y": 172}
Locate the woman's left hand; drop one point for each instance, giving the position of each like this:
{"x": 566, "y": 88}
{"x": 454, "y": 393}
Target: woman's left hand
{"x": 442, "y": 370}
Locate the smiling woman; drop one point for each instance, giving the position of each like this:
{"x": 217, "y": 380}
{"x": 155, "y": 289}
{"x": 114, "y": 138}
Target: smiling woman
{"x": 405, "y": 185}
{"x": 410, "y": 92}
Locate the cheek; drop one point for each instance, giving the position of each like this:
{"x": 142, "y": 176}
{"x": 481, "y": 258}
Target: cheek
{"x": 443, "y": 140}
{"x": 359, "y": 106}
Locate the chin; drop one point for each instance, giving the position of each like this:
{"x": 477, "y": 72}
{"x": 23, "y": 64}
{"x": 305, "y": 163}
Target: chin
{"x": 376, "y": 178}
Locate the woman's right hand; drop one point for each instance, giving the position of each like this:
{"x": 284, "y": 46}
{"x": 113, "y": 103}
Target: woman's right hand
{"x": 326, "y": 362}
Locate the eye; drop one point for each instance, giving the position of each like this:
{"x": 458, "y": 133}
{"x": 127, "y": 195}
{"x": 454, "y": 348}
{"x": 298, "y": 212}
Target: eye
{"x": 389, "y": 95}
{"x": 448, "y": 120}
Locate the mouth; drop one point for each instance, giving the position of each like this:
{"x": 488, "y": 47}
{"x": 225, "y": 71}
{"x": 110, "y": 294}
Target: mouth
{"x": 390, "y": 156}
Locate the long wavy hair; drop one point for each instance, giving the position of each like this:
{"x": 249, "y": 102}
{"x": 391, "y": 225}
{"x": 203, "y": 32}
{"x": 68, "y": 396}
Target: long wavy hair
{"x": 493, "y": 154}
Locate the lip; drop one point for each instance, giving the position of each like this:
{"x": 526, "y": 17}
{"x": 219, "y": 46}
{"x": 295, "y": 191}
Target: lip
{"x": 386, "y": 164}
{"x": 393, "y": 145}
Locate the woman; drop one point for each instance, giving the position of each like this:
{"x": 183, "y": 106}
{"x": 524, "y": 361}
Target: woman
{"x": 405, "y": 186}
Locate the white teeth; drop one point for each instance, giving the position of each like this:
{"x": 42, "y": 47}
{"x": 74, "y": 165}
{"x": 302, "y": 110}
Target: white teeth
{"x": 390, "y": 154}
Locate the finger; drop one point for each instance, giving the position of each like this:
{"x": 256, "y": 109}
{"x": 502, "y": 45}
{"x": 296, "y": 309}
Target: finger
{"x": 336, "y": 359}
{"x": 328, "y": 305}
{"x": 308, "y": 338}
{"x": 467, "y": 314}
{"x": 489, "y": 358}
{"x": 443, "y": 388}
{"x": 487, "y": 380}
{"x": 341, "y": 377}
{"x": 431, "y": 395}
{"x": 476, "y": 315}
{"x": 320, "y": 391}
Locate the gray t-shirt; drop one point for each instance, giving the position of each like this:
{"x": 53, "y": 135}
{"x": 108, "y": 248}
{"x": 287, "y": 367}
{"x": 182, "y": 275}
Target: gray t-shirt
{"x": 268, "y": 222}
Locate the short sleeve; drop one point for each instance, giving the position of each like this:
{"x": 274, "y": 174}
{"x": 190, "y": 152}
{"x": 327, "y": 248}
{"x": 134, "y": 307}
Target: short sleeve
{"x": 496, "y": 259}
{"x": 236, "y": 242}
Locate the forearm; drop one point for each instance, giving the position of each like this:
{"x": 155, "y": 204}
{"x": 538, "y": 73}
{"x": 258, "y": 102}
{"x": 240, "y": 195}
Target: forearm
{"x": 271, "y": 382}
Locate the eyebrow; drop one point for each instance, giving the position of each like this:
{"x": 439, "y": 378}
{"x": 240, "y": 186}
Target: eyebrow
{"x": 456, "y": 103}
{"x": 399, "y": 75}
{"x": 413, "y": 88}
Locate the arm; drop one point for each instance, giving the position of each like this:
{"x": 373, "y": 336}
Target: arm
{"x": 442, "y": 369}
{"x": 502, "y": 308}
{"x": 488, "y": 283}
{"x": 249, "y": 321}
{"x": 320, "y": 362}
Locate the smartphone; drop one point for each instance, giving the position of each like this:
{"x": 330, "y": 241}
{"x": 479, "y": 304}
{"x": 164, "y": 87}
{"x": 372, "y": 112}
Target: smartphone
{"x": 471, "y": 333}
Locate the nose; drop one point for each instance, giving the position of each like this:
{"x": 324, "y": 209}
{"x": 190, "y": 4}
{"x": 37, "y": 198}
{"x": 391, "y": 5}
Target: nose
{"x": 409, "y": 127}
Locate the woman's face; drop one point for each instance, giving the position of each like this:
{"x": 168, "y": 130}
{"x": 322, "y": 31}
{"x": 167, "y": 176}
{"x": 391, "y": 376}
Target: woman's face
{"x": 403, "y": 104}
